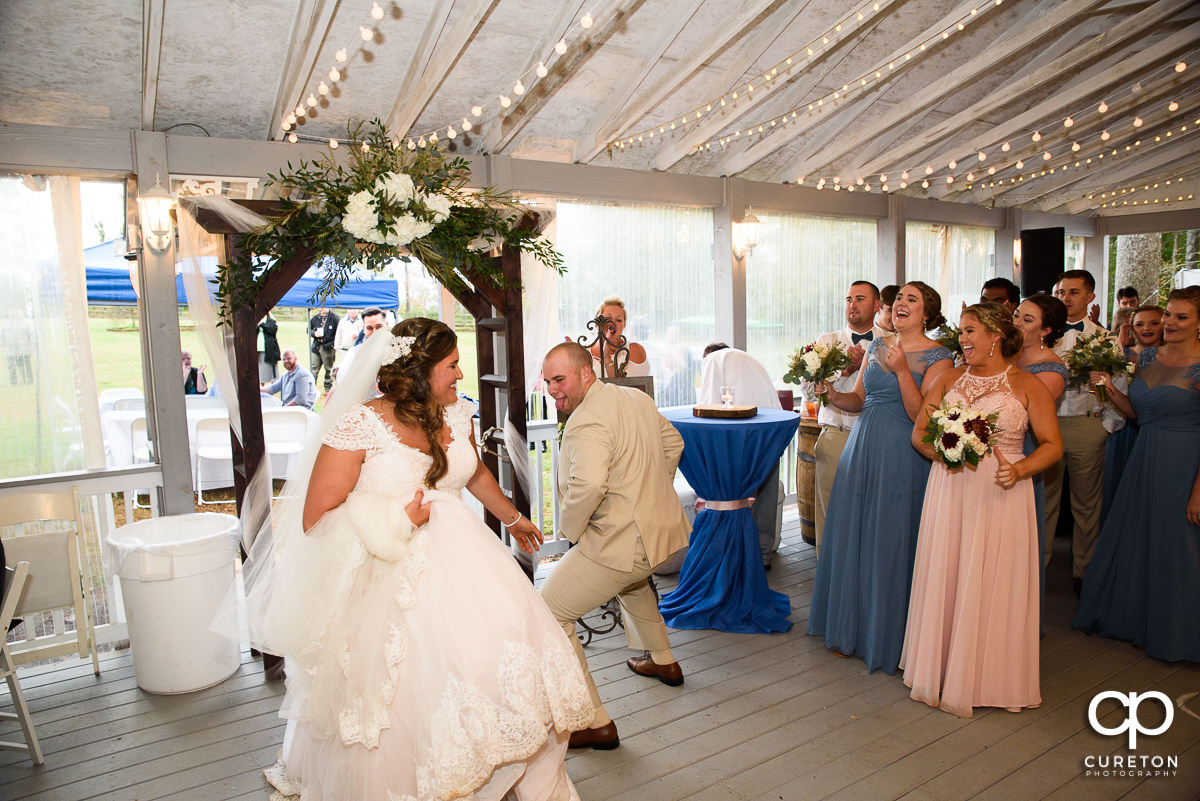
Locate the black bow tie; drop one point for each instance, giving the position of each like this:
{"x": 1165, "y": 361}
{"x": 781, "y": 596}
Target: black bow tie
{"x": 856, "y": 338}
{"x": 1075, "y": 326}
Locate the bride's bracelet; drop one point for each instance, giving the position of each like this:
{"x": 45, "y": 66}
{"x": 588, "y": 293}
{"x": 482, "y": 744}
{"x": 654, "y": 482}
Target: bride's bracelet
{"x": 514, "y": 521}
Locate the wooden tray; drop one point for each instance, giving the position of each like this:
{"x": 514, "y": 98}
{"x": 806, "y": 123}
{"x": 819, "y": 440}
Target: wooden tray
{"x": 717, "y": 410}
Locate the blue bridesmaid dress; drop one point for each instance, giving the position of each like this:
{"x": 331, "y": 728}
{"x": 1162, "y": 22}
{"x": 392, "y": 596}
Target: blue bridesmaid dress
{"x": 1039, "y": 480}
{"x": 1143, "y": 584}
{"x": 1116, "y": 454}
{"x": 860, "y": 596}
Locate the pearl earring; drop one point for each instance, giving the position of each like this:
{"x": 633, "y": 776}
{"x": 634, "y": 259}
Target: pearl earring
{"x": 992, "y": 351}
{"x": 1043, "y": 345}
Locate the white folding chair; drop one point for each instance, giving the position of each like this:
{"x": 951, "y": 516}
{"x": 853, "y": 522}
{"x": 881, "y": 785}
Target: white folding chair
{"x": 284, "y": 431}
{"x": 212, "y": 445}
{"x": 55, "y": 578}
{"x": 129, "y": 405}
{"x": 203, "y": 402}
{"x": 13, "y": 587}
{"x": 270, "y": 402}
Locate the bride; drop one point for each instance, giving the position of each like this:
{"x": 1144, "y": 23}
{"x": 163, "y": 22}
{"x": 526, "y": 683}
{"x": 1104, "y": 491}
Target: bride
{"x": 421, "y": 663}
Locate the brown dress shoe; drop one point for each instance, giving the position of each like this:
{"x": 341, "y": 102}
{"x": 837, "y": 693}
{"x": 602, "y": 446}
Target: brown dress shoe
{"x": 602, "y": 738}
{"x": 671, "y": 675}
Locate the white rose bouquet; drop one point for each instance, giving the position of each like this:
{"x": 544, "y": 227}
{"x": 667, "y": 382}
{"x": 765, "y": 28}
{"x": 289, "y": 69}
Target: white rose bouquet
{"x": 960, "y": 435}
{"x": 1097, "y": 353}
{"x": 816, "y": 363}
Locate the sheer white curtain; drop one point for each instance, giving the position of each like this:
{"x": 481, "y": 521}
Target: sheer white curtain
{"x": 796, "y": 281}
{"x": 953, "y": 259}
{"x": 51, "y": 419}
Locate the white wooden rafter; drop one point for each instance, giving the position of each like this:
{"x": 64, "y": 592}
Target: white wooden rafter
{"x": 310, "y": 29}
{"x": 1023, "y": 33}
{"x": 152, "y": 32}
{"x": 1060, "y": 103}
{"x": 740, "y": 158}
{"x": 407, "y": 107}
{"x": 424, "y": 49}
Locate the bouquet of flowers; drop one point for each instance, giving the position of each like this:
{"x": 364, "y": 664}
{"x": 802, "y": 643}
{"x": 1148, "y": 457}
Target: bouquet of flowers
{"x": 947, "y": 334}
{"x": 816, "y": 362}
{"x": 959, "y": 434}
{"x": 1097, "y": 353}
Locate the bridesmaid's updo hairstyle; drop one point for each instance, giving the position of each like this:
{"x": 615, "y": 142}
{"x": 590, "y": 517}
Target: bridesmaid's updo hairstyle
{"x": 998, "y": 320}
{"x": 1054, "y": 317}
{"x": 405, "y": 383}
{"x": 932, "y": 301}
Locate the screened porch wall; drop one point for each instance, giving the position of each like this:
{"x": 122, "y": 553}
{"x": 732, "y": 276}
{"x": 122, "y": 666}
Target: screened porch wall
{"x": 953, "y": 259}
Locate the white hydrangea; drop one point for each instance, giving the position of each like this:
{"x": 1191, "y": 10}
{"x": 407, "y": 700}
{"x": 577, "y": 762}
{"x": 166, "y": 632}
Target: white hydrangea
{"x": 361, "y": 218}
{"x": 812, "y": 361}
{"x": 955, "y": 454}
{"x": 955, "y": 427}
{"x": 439, "y": 205}
{"x": 398, "y": 186}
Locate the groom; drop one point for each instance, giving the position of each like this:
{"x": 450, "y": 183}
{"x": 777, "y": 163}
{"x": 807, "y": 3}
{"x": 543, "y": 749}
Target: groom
{"x": 619, "y": 507}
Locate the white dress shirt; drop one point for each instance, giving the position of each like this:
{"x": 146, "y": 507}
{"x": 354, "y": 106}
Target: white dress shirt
{"x": 830, "y": 415}
{"x": 751, "y": 382}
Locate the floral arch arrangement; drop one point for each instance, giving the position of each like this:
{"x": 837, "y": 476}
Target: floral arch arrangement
{"x": 382, "y": 201}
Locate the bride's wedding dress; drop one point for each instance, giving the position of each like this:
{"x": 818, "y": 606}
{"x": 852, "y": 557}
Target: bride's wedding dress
{"x": 421, "y": 663}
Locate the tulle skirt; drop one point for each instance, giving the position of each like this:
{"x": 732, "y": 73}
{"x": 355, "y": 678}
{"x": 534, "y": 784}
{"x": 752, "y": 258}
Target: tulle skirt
{"x": 442, "y": 675}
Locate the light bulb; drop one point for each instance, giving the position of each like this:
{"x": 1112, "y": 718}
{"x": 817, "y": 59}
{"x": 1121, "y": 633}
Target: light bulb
{"x": 953, "y": 164}
{"x": 1006, "y": 147}
{"x": 291, "y": 119}
{"x": 883, "y": 178}
{"x": 858, "y": 181}
{"x": 433, "y": 137}
{"x": 505, "y": 101}
{"x": 1046, "y": 156}
{"x": 925, "y": 184}
{"x": 561, "y": 47}
{"x": 411, "y": 144}
{"x": 340, "y": 55}
{"x": 1173, "y": 106}
{"x": 1068, "y": 122}
{"x": 476, "y": 111}
{"x": 466, "y": 124}
{"x": 518, "y": 88}
{"x": 285, "y": 125}
{"x": 1020, "y": 164}
{"x": 970, "y": 176}
{"x": 293, "y": 138}
{"x": 1037, "y": 136}
{"x": 982, "y": 156}
{"x": 366, "y": 33}
{"x": 365, "y": 147}
{"x": 300, "y": 112}
{"x": 1181, "y": 66}
{"x": 586, "y": 21}
{"x": 333, "y": 144}
{"x": 1105, "y": 136}
{"x": 1075, "y": 147}
{"x": 928, "y": 170}
{"x": 949, "y": 179}
{"x": 904, "y": 175}
{"x": 311, "y": 100}
{"x": 1102, "y": 108}
{"x": 334, "y": 75}
{"x": 421, "y": 142}
{"x": 323, "y": 88}
{"x": 451, "y": 133}
{"x": 1137, "y": 122}
{"x": 542, "y": 72}
{"x": 904, "y": 184}
{"x": 376, "y": 11}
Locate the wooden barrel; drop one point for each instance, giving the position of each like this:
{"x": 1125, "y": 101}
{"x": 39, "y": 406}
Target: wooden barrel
{"x": 806, "y": 477}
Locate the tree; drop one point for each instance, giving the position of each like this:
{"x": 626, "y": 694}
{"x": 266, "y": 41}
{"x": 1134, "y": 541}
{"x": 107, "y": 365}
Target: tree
{"x": 1139, "y": 259}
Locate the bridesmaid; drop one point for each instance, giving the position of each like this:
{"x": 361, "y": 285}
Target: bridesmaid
{"x": 1143, "y": 584}
{"x": 865, "y": 566}
{"x": 972, "y": 636}
{"x": 1042, "y": 320}
{"x": 1146, "y": 328}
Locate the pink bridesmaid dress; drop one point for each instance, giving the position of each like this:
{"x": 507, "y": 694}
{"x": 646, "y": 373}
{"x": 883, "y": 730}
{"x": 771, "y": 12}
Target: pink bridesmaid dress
{"x": 972, "y": 634}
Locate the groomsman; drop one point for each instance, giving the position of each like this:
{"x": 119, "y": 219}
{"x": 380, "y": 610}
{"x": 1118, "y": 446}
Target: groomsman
{"x": 862, "y": 304}
{"x": 1083, "y": 434}
{"x": 1002, "y": 292}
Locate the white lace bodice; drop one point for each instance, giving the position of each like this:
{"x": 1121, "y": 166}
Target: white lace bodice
{"x": 393, "y": 468}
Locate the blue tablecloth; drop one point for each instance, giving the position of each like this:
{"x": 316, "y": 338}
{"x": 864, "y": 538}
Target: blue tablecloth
{"x": 722, "y": 584}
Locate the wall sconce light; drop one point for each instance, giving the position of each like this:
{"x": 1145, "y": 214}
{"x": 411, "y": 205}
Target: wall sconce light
{"x": 745, "y": 235}
{"x": 154, "y": 209}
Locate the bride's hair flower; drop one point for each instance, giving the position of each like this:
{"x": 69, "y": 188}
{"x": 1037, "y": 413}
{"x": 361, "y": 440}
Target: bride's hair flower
{"x": 398, "y": 348}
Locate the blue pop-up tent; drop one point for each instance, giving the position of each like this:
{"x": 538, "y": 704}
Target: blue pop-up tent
{"x": 108, "y": 284}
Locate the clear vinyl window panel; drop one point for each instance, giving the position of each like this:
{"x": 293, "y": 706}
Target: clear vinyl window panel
{"x": 659, "y": 261}
{"x": 953, "y": 259}
{"x": 796, "y": 281}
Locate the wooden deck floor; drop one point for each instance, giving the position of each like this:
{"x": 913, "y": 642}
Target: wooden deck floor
{"x": 762, "y": 717}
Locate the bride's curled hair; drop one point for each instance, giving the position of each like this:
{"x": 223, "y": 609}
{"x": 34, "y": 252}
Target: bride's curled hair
{"x": 405, "y": 382}
{"x": 998, "y": 320}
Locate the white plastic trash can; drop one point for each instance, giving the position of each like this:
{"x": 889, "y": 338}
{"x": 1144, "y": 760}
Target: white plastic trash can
{"x": 178, "y": 583}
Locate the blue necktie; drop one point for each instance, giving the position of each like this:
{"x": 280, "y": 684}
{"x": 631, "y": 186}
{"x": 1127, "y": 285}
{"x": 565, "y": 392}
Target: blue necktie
{"x": 856, "y": 338}
{"x": 1075, "y": 326}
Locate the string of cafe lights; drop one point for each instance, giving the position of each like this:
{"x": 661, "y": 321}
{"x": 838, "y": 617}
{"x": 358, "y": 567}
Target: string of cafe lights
{"x": 1110, "y": 199}
{"x": 805, "y": 55}
{"x": 926, "y": 172}
{"x": 524, "y": 82}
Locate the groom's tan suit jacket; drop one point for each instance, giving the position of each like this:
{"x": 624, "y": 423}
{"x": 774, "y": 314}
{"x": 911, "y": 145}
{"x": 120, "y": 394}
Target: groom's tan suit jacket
{"x": 616, "y": 476}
